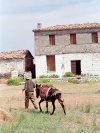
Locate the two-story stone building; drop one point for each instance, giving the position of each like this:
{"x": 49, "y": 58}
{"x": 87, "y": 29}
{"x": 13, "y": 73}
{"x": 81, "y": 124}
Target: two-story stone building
{"x": 67, "y": 48}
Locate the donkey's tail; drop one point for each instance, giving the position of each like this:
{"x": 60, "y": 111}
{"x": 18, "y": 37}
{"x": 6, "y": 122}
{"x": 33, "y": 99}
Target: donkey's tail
{"x": 58, "y": 96}
{"x": 60, "y": 100}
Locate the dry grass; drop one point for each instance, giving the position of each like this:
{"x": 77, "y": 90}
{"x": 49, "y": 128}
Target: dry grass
{"x": 73, "y": 95}
{"x": 5, "y": 116}
{"x": 82, "y": 102}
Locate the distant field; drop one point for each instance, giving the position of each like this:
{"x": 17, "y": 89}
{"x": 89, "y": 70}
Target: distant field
{"x": 82, "y": 102}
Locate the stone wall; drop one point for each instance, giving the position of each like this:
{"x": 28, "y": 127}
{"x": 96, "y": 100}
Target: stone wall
{"x": 62, "y": 42}
{"x": 69, "y": 79}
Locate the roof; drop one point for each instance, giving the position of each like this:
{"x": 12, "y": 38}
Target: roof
{"x": 69, "y": 27}
{"x": 19, "y": 54}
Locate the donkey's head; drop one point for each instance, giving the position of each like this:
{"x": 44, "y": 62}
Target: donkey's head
{"x": 38, "y": 87}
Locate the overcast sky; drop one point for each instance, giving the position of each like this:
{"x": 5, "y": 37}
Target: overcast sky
{"x": 19, "y": 17}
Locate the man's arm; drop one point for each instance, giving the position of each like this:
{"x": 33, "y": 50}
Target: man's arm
{"x": 33, "y": 85}
{"x": 24, "y": 87}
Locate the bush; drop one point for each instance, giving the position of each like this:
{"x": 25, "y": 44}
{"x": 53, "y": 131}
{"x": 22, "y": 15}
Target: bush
{"x": 86, "y": 74}
{"x": 43, "y": 76}
{"x": 69, "y": 74}
{"x": 15, "y": 81}
{"x": 88, "y": 108}
{"x": 54, "y": 76}
{"x": 50, "y": 76}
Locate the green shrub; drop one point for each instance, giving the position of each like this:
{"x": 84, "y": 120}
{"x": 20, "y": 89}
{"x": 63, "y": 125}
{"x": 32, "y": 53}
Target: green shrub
{"x": 88, "y": 108}
{"x": 69, "y": 74}
{"x": 15, "y": 81}
{"x": 50, "y": 76}
{"x": 54, "y": 76}
{"x": 86, "y": 74}
{"x": 83, "y": 74}
{"x": 43, "y": 76}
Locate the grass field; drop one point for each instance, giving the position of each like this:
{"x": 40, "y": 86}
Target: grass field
{"x": 82, "y": 103}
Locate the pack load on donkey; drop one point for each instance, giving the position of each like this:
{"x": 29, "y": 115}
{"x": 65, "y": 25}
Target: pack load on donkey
{"x": 49, "y": 93}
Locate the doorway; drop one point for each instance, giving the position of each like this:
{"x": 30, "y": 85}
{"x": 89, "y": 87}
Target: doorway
{"x": 76, "y": 67}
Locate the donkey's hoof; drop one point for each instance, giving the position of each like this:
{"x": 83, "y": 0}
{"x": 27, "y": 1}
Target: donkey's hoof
{"x": 51, "y": 114}
{"x": 65, "y": 113}
{"x": 46, "y": 112}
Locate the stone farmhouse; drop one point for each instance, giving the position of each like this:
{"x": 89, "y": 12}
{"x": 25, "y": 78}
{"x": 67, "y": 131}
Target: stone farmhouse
{"x": 20, "y": 60}
{"x": 67, "y": 48}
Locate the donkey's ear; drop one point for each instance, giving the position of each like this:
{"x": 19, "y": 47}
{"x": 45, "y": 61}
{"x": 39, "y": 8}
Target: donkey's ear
{"x": 40, "y": 85}
{"x": 36, "y": 85}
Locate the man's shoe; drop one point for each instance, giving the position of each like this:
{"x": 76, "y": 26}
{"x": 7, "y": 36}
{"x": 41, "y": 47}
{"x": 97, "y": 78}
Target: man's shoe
{"x": 36, "y": 107}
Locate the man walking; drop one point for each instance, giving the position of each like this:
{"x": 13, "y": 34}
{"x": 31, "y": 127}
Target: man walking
{"x": 29, "y": 93}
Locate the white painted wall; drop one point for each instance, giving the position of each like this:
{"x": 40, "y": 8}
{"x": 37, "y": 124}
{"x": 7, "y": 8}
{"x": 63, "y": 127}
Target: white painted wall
{"x": 90, "y": 64}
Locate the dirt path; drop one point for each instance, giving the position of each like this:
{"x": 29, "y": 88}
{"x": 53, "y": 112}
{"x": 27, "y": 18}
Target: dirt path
{"x": 73, "y": 94}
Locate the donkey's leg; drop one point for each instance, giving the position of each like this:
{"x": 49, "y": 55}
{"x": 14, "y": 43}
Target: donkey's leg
{"x": 46, "y": 107}
{"x": 40, "y": 104}
{"x": 53, "y": 104}
{"x": 61, "y": 102}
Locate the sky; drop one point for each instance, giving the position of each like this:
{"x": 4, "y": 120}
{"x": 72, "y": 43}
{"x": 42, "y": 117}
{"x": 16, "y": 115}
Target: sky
{"x": 19, "y": 17}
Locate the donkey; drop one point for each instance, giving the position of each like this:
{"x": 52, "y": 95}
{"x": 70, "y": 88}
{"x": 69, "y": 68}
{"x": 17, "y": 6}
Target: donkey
{"x": 49, "y": 93}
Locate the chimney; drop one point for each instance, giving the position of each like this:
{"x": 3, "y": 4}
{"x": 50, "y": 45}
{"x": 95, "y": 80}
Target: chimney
{"x": 39, "y": 25}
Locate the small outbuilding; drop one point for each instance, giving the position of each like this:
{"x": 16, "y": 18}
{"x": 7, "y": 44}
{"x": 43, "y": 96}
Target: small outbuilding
{"x": 20, "y": 61}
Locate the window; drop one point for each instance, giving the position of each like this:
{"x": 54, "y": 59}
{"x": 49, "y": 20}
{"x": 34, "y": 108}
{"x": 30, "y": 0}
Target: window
{"x": 72, "y": 38}
{"x": 94, "y": 37}
{"x": 50, "y": 62}
{"x": 52, "y": 39}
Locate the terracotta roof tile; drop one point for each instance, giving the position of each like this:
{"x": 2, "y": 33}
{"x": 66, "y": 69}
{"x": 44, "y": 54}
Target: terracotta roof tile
{"x": 19, "y": 54}
{"x": 69, "y": 27}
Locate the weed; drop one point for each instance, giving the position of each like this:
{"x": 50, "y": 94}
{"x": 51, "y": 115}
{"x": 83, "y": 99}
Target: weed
{"x": 74, "y": 81}
{"x": 69, "y": 74}
{"x": 44, "y": 80}
{"x": 88, "y": 108}
{"x": 54, "y": 76}
{"x": 14, "y": 81}
{"x": 43, "y": 76}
